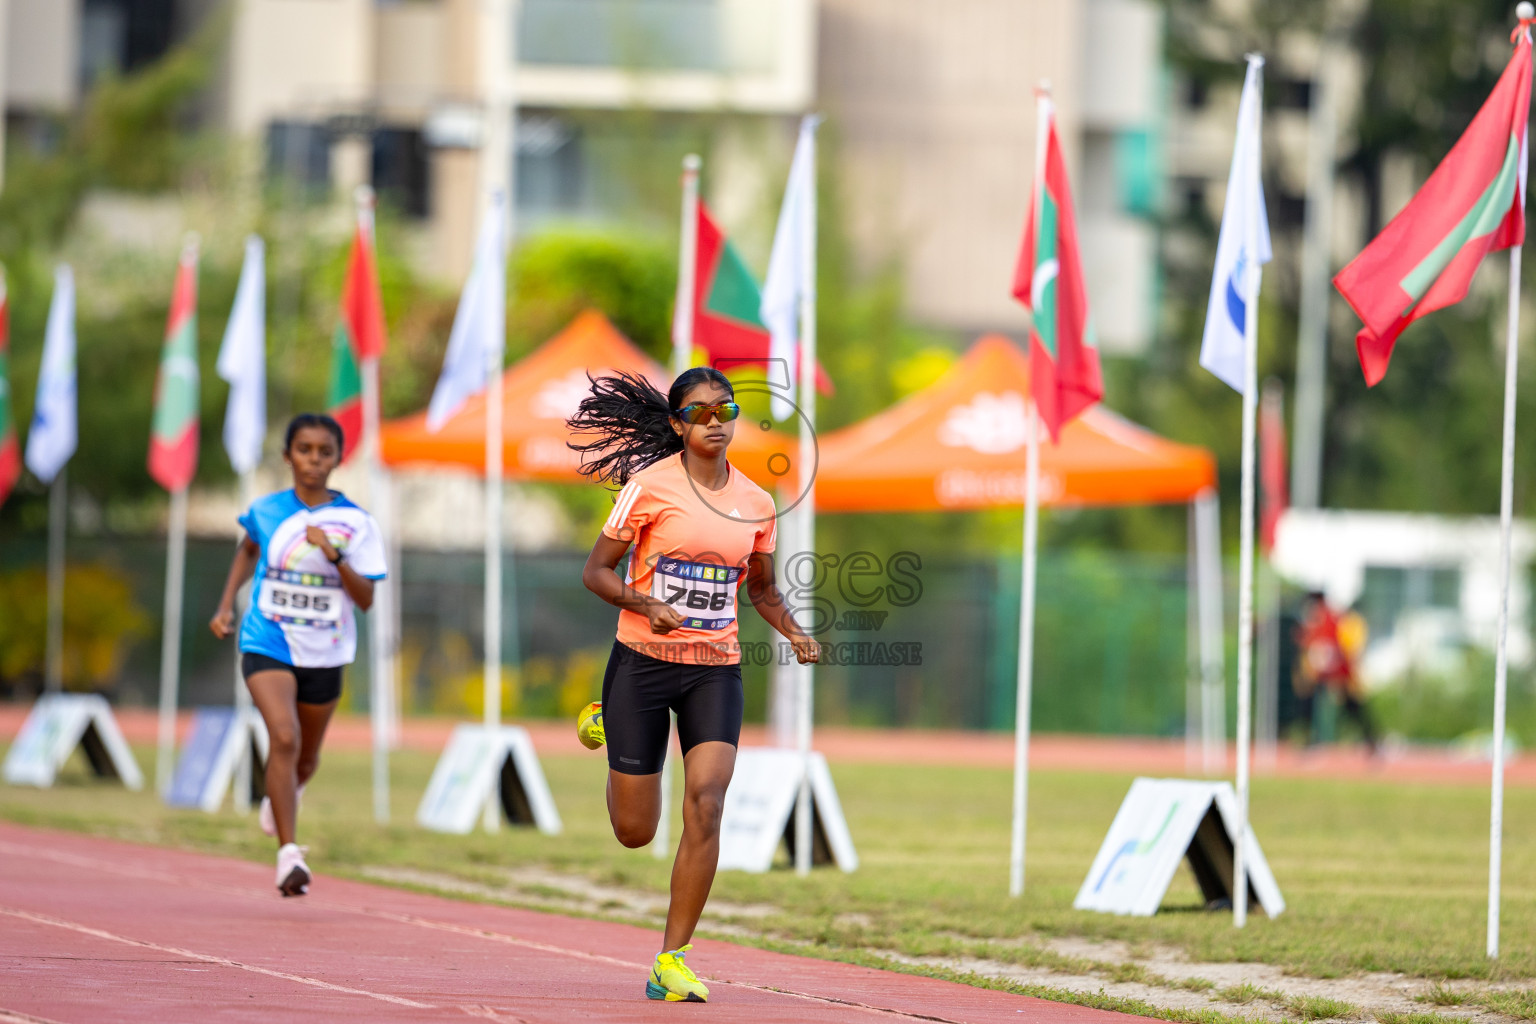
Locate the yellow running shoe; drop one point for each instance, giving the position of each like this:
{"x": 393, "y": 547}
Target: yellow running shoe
{"x": 589, "y": 726}
{"x": 672, "y": 980}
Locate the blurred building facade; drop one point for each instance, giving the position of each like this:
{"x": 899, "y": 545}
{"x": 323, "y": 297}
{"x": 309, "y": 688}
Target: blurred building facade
{"x": 931, "y": 116}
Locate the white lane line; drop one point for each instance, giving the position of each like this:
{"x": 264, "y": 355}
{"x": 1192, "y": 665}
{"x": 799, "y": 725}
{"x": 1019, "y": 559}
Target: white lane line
{"x": 77, "y": 860}
{"x": 58, "y": 922}
{"x": 579, "y": 954}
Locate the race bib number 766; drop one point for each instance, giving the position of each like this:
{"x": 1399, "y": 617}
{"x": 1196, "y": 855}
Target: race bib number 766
{"x": 704, "y": 594}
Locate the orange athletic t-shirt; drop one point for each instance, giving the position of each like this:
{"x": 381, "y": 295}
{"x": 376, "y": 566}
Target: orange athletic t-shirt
{"x": 691, "y": 547}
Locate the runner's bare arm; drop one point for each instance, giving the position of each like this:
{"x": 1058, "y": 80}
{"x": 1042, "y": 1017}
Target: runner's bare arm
{"x": 600, "y": 577}
{"x": 223, "y": 621}
{"x": 358, "y": 587}
{"x": 764, "y": 593}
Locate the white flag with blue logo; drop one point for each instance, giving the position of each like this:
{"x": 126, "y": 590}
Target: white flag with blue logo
{"x": 243, "y": 362}
{"x": 791, "y": 265}
{"x": 1243, "y": 246}
{"x": 51, "y": 440}
{"x": 479, "y": 335}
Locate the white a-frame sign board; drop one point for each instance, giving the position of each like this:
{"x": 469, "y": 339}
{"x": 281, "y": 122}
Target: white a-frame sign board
{"x": 56, "y": 725}
{"x": 759, "y": 811}
{"x": 1162, "y": 822}
{"x": 220, "y": 738}
{"x": 481, "y": 765}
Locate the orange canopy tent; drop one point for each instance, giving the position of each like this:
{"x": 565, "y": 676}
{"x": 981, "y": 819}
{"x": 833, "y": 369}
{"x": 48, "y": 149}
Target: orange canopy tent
{"x": 960, "y": 444}
{"x": 539, "y": 394}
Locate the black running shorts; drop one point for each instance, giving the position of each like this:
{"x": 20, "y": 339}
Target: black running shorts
{"x": 316, "y": 685}
{"x": 638, "y": 691}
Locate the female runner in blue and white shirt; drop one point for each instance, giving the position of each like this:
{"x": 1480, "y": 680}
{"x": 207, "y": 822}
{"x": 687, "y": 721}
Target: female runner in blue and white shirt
{"x": 316, "y": 556}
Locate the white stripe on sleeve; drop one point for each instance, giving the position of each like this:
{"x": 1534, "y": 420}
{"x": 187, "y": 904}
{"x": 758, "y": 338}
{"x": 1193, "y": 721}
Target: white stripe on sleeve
{"x": 622, "y": 505}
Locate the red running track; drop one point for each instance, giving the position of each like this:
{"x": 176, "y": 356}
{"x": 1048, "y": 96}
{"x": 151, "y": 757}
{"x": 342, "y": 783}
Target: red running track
{"x": 100, "y": 930}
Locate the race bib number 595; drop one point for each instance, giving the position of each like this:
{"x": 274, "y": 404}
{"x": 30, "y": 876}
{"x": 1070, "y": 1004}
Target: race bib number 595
{"x": 301, "y": 598}
{"x": 704, "y": 594}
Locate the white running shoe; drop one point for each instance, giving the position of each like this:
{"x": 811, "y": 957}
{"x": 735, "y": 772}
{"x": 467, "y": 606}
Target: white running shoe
{"x": 292, "y": 873}
{"x": 267, "y": 819}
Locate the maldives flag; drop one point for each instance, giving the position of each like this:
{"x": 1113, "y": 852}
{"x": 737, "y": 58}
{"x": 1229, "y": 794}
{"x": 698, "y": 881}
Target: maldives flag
{"x": 1064, "y": 374}
{"x": 1473, "y": 204}
{"x": 173, "y": 436}
{"x": 344, "y": 397}
{"x": 362, "y": 305}
{"x": 359, "y": 336}
{"x": 10, "y": 450}
{"x": 727, "y": 322}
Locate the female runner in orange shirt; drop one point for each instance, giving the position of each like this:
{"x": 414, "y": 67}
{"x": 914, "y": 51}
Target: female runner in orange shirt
{"x": 699, "y": 530}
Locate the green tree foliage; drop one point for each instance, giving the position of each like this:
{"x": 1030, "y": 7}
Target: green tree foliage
{"x": 630, "y": 278}
{"x": 1427, "y": 438}
{"x": 130, "y": 134}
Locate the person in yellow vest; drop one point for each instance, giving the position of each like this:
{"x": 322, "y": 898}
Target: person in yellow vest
{"x": 1331, "y": 645}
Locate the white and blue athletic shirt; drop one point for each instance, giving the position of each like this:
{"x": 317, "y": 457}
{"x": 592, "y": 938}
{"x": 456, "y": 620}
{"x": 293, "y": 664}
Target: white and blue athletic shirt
{"x": 300, "y": 613}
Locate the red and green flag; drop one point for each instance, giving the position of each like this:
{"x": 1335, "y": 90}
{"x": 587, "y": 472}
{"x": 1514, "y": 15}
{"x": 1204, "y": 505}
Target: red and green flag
{"x": 1473, "y": 204}
{"x": 344, "y": 398}
{"x": 173, "y": 435}
{"x": 362, "y": 304}
{"x": 1064, "y": 374}
{"x": 359, "y": 336}
{"x": 727, "y": 322}
{"x": 10, "y": 449}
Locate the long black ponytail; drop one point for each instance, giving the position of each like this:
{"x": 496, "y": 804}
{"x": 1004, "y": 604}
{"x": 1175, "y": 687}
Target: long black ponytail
{"x": 631, "y": 418}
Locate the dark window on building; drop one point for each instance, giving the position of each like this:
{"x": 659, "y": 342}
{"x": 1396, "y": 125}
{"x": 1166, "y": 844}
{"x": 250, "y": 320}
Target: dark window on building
{"x": 652, "y": 34}
{"x": 1197, "y": 92}
{"x": 550, "y": 175}
{"x": 1289, "y": 210}
{"x": 1190, "y": 193}
{"x": 401, "y": 170}
{"x": 299, "y": 156}
{"x": 1391, "y": 592}
{"x": 119, "y": 36}
{"x": 1288, "y": 93}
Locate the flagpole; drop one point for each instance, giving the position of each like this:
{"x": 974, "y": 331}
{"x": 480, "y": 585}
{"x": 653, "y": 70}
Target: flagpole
{"x": 784, "y": 693}
{"x": 242, "y": 363}
{"x": 806, "y": 513}
{"x": 1524, "y": 12}
{"x": 170, "y": 639}
{"x": 243, "y": 766}
{"x": 1026, "y": 671}
{"x": 493, "y": 546}
{"x": 57, "y": 523}
{"x": 1501, "y": 670}
{"x": 1213, "y": 711}
{"x": 175, "y": 575}
{"x": 1245, "y": 584}
{"x": 687, "y": 259}
{"x": 682, "y": 358}
{"x": 1025, "y": 678}
{"x": 1316, "y": 289}
{"x": 1192, "y": 662}
{"x": 378, "y": 655}
{"x": 493, "y": 554}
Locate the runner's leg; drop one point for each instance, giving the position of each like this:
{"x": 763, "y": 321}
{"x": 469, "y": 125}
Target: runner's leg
{"x": 313, "y": 719}
{"x": 275, "y": 694}
{"x": 638, "y": 726}
{"x": 634, "y": 807}
{"x": 1355, "y": 708}
{"x": 707, "y": 772}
